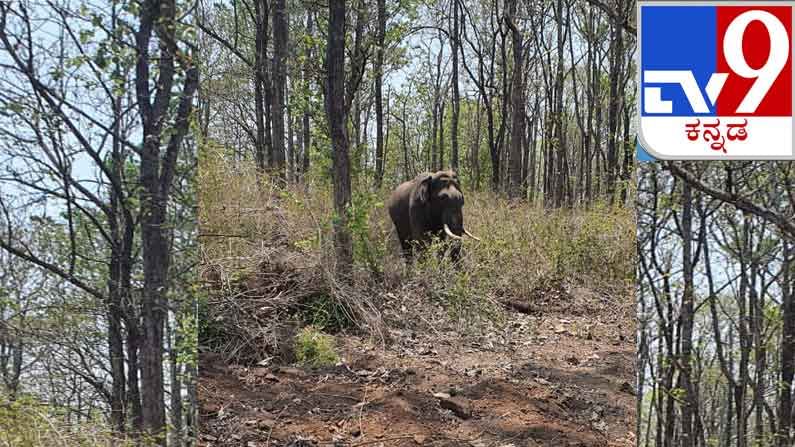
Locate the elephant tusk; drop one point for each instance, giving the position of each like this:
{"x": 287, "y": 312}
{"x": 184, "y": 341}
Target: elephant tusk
{"x": 470, "y": 235}
{"x": 450, "y": 233}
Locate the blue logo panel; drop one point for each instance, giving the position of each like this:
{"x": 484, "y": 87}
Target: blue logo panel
{"x": 679, "y": 38}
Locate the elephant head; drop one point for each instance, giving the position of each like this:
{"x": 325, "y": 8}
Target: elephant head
{"x": 437, "y": 203}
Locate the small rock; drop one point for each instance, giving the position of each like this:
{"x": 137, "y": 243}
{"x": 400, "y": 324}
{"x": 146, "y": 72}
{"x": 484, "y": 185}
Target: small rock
{"x": 419, "y": 439}
{"x": 441, "y": 396}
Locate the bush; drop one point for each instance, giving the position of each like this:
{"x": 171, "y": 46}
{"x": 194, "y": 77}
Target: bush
{"x": 314, "y": 348}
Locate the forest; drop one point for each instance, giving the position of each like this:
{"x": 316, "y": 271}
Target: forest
{"x": 716, "y": 322}
{"x": 98, "y": 249}
{"x": 315, "y": 329}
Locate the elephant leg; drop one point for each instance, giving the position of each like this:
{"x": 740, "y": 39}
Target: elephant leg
{"x": 408, "y": 251}
{"x": 455, "y": 253}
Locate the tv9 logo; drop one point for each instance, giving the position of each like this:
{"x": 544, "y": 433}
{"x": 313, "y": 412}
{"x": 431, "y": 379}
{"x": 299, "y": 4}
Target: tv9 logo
{"x": 716, "y": 81}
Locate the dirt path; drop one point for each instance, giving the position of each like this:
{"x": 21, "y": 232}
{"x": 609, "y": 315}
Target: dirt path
{"x": 551, "y": 379}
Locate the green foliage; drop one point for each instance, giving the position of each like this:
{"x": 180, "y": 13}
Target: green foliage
{"x": 370, "y": 242}
{"x": 327, "y": 314}
{"x": 313, "y": 348}
{"x": 589, "y": 244}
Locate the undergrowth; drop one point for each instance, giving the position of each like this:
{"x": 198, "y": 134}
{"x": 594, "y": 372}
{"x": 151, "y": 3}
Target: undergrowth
{"x": 272, "y": 253}
{"x": 26, "y": 422}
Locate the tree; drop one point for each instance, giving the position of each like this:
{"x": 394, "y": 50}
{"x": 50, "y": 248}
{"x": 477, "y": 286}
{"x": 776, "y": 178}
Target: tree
{"x": 379, "y": 92}
{"x": 279, "y": 83}
{"x": 156, "y": 176}
{"x": 336, "y": 114}
{"x": 517, "y": 104}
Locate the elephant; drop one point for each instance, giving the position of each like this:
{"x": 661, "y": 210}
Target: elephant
{"x": 429, "y": 206}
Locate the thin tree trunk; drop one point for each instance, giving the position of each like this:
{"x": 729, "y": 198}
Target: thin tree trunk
{"x": 175, "y": 432}
{"x": 616, "y": 62}
{"x": 379, "y": 107}
{"x": 688, "y": 309}
{"x": 260, "y": 58}
{"x": 787, "y": 350}
{"x": 517, "y": 104}
{"x": 280, "y": 38}
{"x": 291, "y": 169}
{"x": 440, "y": 166}
{"x": 454, "y": 42}
{"x": 307, "y": 138}
{"x": 336, "y": 115}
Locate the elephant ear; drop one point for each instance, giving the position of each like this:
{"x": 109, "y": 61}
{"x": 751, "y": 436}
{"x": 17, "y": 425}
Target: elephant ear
{"x": 422, "y": 190}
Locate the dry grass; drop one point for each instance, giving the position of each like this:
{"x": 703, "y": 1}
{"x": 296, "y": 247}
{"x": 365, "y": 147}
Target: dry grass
{"x": 27, "y": 423}
{"x": 268, "y": 261}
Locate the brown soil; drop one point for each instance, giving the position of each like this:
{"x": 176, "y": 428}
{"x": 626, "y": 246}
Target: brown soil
{"x": 558, "y": 377}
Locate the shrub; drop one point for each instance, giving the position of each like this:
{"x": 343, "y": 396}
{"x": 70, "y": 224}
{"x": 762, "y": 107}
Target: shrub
{"x": 314, "y": 348}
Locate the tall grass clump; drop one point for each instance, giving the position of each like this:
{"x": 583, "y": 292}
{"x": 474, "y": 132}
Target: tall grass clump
{"x": 524, "y": 247}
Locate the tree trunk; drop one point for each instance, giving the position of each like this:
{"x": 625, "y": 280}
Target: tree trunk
{"x": 279, "y": 83}
{"x": 290, "y": 143}
{"x": 561, "y": 168}
{"x": 307, "y": 137}
{"x": 156, "y": 176}
{"x": 172, "y": 333}
{"x": 260, "y": 58}
{"x": 454, "y": 42}
{"x": 120, "y": 256}
{"x": 787, "y": 351}
{"x": 440, "y": 166}
{"x": 336, "y": 115}
{"x": 616, "y": 59}
{"x": 687, "y": 312}
{"x": 379, "y": 91}
{"x": 517, "y": 105}
{"x": 133, "y": 339}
